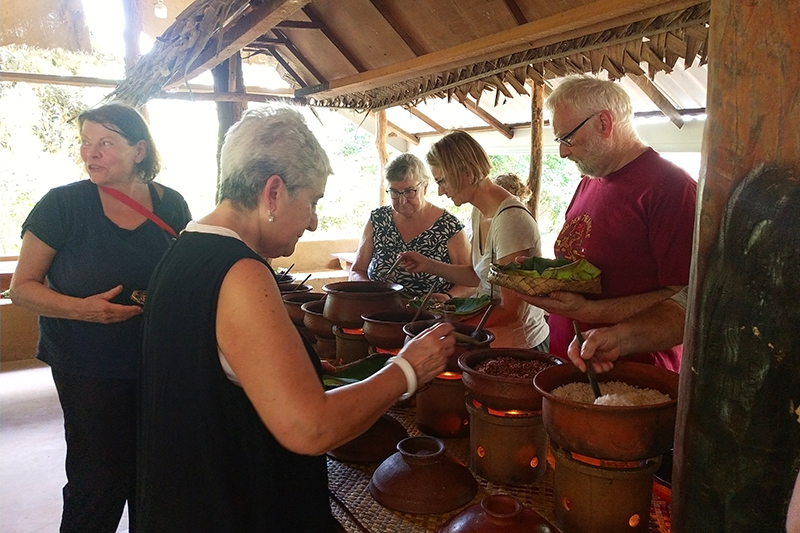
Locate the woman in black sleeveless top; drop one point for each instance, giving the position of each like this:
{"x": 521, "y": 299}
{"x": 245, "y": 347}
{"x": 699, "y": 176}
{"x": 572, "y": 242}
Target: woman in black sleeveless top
{"x": 234, "y": 420}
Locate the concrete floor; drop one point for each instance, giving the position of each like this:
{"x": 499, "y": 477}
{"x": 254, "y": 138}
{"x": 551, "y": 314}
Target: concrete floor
{"x": 32, "y": 450}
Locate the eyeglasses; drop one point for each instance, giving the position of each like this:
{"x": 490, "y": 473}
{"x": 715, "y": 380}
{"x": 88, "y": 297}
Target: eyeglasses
{"x": 564, "y": 139}
{"x": 394, "y": 194}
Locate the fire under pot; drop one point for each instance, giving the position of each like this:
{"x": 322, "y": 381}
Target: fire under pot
{"x": 508, "y": 447}
{"x": 595, "y": 496}
{"x": 351, "y": 345}
{"x": 441, "y": 411}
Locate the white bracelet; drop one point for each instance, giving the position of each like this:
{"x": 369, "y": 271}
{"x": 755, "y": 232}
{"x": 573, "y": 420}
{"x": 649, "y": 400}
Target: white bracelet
{"x": 408, "y": 370}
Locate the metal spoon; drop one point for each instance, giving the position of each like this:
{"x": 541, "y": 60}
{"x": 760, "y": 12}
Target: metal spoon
{"x": 589, "y": 368}
{"x": 392, "y": 268}
{"x": 484, "y": 318}
{"x": 301, "y": 283}
{"x": 285, "y": 273}
{"x": 424, "y": 301}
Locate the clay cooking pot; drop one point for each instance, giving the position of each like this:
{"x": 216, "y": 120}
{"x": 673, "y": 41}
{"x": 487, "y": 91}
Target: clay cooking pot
{"x": 499, "y": 392}
{"x": 293, "y": 302}
{"x": 384, "y": 329}
{"x": 348, "y": 300}
{"x": 616, "y": 433}
{"x": 315, "y": 321}
{"x": 483, "y": 339}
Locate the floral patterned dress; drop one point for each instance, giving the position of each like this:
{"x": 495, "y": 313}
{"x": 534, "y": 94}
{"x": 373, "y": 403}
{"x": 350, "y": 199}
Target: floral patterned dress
{"x": 387, "y": 243}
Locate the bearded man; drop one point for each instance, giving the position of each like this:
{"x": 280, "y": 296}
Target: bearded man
{"x": 632, "y": 216}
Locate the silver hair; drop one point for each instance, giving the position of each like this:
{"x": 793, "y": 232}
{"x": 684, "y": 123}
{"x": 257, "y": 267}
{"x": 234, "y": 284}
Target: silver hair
{"x": 407, "y": 166}
{"x": 269, "y": 141}
{"x": 592, "y": 95}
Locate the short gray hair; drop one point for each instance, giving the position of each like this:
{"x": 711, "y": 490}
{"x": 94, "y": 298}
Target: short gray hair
{"x": 265, "y": 142}
{"x": 592, "y": 95}
{"x": 407, "y": 166}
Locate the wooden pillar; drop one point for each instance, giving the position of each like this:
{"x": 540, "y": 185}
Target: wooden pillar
{"x": 381, "y": 132}
{"x": 737, "y": 445}
{"x": 537, "y": 147}
{"x": 130, "y": 33}
{"x": 228, "y": 78}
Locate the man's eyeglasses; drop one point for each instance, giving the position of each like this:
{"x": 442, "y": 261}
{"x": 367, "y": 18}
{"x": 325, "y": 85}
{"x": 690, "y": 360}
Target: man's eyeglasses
{"x": 394, "y": 194}
{"x": 565, "y": 139}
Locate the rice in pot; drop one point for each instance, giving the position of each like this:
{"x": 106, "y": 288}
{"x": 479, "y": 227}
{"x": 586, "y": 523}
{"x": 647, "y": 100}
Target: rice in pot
{"x": 615, "y": 393}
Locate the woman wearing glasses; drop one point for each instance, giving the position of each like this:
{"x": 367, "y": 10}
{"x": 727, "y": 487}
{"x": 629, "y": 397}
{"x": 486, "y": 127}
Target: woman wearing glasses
{"x": 410, "y": 223}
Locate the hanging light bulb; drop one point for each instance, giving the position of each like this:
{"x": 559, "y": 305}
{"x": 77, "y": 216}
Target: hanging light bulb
{"x": 160, "y": 9}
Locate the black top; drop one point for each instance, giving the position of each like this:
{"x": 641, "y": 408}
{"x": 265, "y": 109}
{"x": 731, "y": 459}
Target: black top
{"x": 94, "y": 255}
{"x": 206, "y": 462}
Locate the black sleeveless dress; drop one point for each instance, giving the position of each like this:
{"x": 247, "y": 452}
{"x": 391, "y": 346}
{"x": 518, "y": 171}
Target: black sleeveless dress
{"x": 205, "y": 460}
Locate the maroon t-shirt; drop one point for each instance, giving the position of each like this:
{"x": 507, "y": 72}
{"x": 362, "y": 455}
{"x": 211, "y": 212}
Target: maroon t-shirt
{"x": 636, "y": 226}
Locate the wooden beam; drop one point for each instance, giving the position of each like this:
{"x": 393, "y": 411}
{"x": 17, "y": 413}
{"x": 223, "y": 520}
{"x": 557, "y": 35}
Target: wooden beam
{"x": 52, "y": 79}
{"x": 410, "y": 137}
{"x": 246, "y": 30}
{"x": 514, "y": 9}
{"x": 504, "y": 130}
{"x": 658, "y": 98}
{"x": 338, "y": 43}
{"x": 425, "y": 118}
{"x": 299, "y": 25}
{"x": 227, "y": 97}
{"x": 398, "y": 27}
{"x": 300, "y": 58}
{"x": 598, "y": 16}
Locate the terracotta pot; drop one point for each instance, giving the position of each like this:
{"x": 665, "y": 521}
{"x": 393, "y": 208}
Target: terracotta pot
{"x": 348, "y": 300}
{"x": 614, "y": 433}
{"x": 422, "y": 478}
{"x": 484, "y": 339}
{"x": 294, "y": 288}
{"x": 375, "y": 444}
{"x": 384, "y": 329}
{"x": 293, "y": 302}
{"x": 498, "y": 513}
{"x": 315, "y": 321}
{"x": 503, "y": 393}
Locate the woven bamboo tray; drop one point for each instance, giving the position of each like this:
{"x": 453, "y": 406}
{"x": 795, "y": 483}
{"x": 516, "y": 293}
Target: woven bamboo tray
{"x": 538, "y": 286}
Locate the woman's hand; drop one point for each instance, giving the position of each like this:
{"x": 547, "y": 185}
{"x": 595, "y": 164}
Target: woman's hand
{"x": 415, "y": 262}
{"x": 428, "y": 351}
{"x": 99, "y": 308}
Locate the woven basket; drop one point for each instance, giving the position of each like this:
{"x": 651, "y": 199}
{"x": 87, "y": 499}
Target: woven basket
{"x": 538, "y": 286}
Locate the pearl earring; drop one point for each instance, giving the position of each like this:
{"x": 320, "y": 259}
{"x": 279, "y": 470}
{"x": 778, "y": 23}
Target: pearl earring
{"x": 271, "y": 217}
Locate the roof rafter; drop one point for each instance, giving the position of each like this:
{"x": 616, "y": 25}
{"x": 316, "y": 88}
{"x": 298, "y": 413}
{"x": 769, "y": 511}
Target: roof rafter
{"x": 591, "y": 18}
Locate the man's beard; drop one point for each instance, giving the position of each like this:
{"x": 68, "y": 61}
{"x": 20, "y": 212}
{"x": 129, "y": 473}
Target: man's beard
{"x": 591, "y": 163}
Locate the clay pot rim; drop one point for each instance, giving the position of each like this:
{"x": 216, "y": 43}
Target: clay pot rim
{"x": 368, "y": 288}
{"x": 481, "y": 354}
{"x": 625, "y": 365}
{"x": 488, "y": 336}
{"x": 289, "y": 297}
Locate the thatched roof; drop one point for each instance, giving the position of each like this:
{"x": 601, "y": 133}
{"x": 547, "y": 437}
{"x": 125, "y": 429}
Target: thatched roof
{"x": 377, "y": 54}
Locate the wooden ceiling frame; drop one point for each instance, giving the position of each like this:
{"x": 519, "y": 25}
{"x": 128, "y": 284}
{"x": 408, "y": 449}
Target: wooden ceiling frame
{"x": 516, "y": 12}
{"x": 597, "y": 17}
{"x": 484, "y": 115}
{"x": 334, "y": 39}
{"x": 438, "y": 128}
{"x": 440, "y": 84}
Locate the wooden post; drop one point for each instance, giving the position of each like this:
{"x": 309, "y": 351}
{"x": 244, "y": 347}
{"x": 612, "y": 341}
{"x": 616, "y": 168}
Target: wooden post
{"x": 131, "y": 31}
{"x": 228, "y": 77}
{"x": 537, "y": 147}
{"x": 737, "y": 442}
{"x": 381, "y": 132}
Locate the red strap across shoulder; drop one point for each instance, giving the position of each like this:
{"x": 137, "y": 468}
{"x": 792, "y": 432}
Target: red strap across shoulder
{"x": 130, "y": 202}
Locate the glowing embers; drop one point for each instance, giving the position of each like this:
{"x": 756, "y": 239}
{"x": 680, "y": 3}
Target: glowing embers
{"x": 595, "y": 495}
{"x": 508, "y": 447}
{"x": 441, "y": 411}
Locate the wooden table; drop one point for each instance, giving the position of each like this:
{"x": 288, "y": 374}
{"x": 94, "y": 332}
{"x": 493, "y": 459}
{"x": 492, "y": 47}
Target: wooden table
{"x": 354, "y": 507}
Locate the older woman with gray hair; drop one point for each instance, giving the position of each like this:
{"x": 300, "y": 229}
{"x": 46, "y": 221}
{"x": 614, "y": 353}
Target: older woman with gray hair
{"x": 234, "y": 420}
{"x": 410, "y": 223}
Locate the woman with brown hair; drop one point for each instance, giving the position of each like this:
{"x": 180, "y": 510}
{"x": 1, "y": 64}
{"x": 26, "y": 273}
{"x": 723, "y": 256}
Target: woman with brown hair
{"x": 86, "y": 248}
